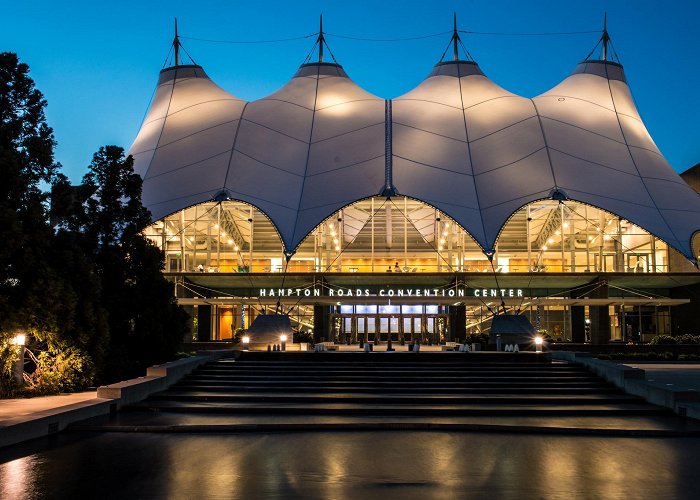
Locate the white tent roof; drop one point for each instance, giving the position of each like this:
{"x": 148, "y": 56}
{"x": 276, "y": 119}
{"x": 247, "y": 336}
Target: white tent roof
{"x": 183, "y": 148}
{"x": 458, "y": 142}
{"x": 309, "y": 149}
{"x": 602, "y": 154}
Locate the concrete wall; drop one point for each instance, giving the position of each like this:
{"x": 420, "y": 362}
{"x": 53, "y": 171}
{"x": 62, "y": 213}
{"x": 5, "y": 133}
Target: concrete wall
{"x": 685, "y": 402}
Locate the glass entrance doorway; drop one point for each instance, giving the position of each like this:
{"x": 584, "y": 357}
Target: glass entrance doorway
{"x": 372, "y": 323}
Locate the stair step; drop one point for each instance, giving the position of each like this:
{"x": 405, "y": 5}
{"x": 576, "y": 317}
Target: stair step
{"x": 406, "y": 399}
{"x": 399, "y": 410}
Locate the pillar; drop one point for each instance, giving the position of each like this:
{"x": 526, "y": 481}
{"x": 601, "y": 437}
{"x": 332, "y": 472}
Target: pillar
{"x": 322, "y": 323}
{"x": 458, "y": 323}
{"x": 203, "y": 323}
{"x": 599, "y": 315}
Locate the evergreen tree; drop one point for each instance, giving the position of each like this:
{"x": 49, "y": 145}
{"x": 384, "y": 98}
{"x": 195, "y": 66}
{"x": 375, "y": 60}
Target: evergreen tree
{"x": 26, "y": 160}
{"x": 145, "y": 323}
{"x": 42, "y": 279}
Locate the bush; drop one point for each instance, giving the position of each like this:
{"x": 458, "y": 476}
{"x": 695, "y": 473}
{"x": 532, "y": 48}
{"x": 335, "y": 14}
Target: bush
{"x": 302, "y": 336}
{"x": 663, "y": 340}
{"x": 477, "y": 338}
{"x": 688, "y": 339}
{"x": 8, "y": 355}
{"x": 237, "y": 335}
{"x": 65, "y": 369}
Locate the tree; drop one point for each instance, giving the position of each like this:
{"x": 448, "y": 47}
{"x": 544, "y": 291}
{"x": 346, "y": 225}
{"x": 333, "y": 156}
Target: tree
{"x": 145, "y": 323}
{"x": 42, "y": 278}
{"x": 26, "y": 160}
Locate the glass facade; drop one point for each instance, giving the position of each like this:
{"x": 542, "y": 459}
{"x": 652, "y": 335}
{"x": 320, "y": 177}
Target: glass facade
{"x": 404, "y": 235}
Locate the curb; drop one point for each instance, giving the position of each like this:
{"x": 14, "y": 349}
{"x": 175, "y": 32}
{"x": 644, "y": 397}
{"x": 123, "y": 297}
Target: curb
{"x": 109, "y": 399}
{"x": 684, "y": 402}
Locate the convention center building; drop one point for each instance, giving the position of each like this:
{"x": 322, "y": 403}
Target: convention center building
{"x": 422, "y": 216}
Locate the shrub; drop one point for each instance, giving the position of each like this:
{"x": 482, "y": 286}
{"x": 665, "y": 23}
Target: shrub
{"x": 663, "y": 339}
{"x": 8, "y": 355}
{"x": 688, "y": 339}
{"x": 58, "y": 370}
{"x": 302, "y": 336}
{"x": 477, "y": 338}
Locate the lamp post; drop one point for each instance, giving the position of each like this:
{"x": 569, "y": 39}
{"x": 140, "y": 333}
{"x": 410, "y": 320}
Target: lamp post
{"x": 246, "y": 342}
{"x": 283, "y": 341}
{"x": 18, "y": 367}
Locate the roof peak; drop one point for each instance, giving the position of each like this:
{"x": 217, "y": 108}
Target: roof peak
{"x": 455, "y": 43}
{"x": 606, "y": 46}
{"x": 320, "y": 43}
{"x": 175, "y": 48}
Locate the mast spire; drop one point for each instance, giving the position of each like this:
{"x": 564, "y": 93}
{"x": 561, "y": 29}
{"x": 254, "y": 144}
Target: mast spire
{"x": 176, "y": 45}
{"x": 321, "y": 40}
{"x": 455, "y": 38}
{"x": 605, "y": 38}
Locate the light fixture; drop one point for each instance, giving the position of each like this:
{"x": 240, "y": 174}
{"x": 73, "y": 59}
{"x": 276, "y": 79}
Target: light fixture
{"x": 442, "y": 241}
{"x": 557, "y": 232}
{"x": 246, "y": 341}
{"x": 544, "y": 247}
{"x": 550, "y": 240}
{"x": 337, "y": 248}
{"x": 283, "y": 338}
{"x": 235, "y": 248}
{"x": 283, "y": 341}
{"x": 440, "y": 248}
{"x": 565, "y": 225}
{"x": 19, "y": 339}
{"x": 230, "y": 242}
{"x": 216, "y": 226}
{"x": 335, "y": 240}
{"x": 538, "y": 344}
{"x": 223, "y": 233}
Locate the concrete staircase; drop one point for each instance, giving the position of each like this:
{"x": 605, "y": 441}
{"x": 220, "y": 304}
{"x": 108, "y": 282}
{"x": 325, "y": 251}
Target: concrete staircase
{"x": 311, "y": 392}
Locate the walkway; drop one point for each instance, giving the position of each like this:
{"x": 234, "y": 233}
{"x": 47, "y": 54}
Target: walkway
{"x": 683, "y": 376}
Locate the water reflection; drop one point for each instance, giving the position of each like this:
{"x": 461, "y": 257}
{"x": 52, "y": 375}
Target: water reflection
{"x": 17, "y": 477}
{"x": 352, "y": 465}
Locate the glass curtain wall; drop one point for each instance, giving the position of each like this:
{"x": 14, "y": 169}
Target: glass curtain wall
{"x": 404, "y": 235}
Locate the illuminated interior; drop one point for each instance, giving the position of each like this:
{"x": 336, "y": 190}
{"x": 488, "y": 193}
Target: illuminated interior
{"x": 399, "y": 234}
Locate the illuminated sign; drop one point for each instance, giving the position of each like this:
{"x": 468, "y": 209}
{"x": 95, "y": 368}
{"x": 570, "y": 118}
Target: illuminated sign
{"x": 392, "y": 292}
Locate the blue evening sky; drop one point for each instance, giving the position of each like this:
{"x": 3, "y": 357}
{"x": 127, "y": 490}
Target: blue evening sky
{"x": 97, "y": 62}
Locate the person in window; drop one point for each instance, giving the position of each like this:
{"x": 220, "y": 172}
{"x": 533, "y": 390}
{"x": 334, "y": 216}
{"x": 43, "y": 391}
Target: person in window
{"x": 397, "y": 269}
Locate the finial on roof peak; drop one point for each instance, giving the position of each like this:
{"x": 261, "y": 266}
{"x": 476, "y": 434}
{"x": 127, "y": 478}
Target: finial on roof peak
{"x": 321, "y": 39}
{"x": 455, "y": 37}
{"x": 176, "y": 45}
{"x": 605, "y": 38}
